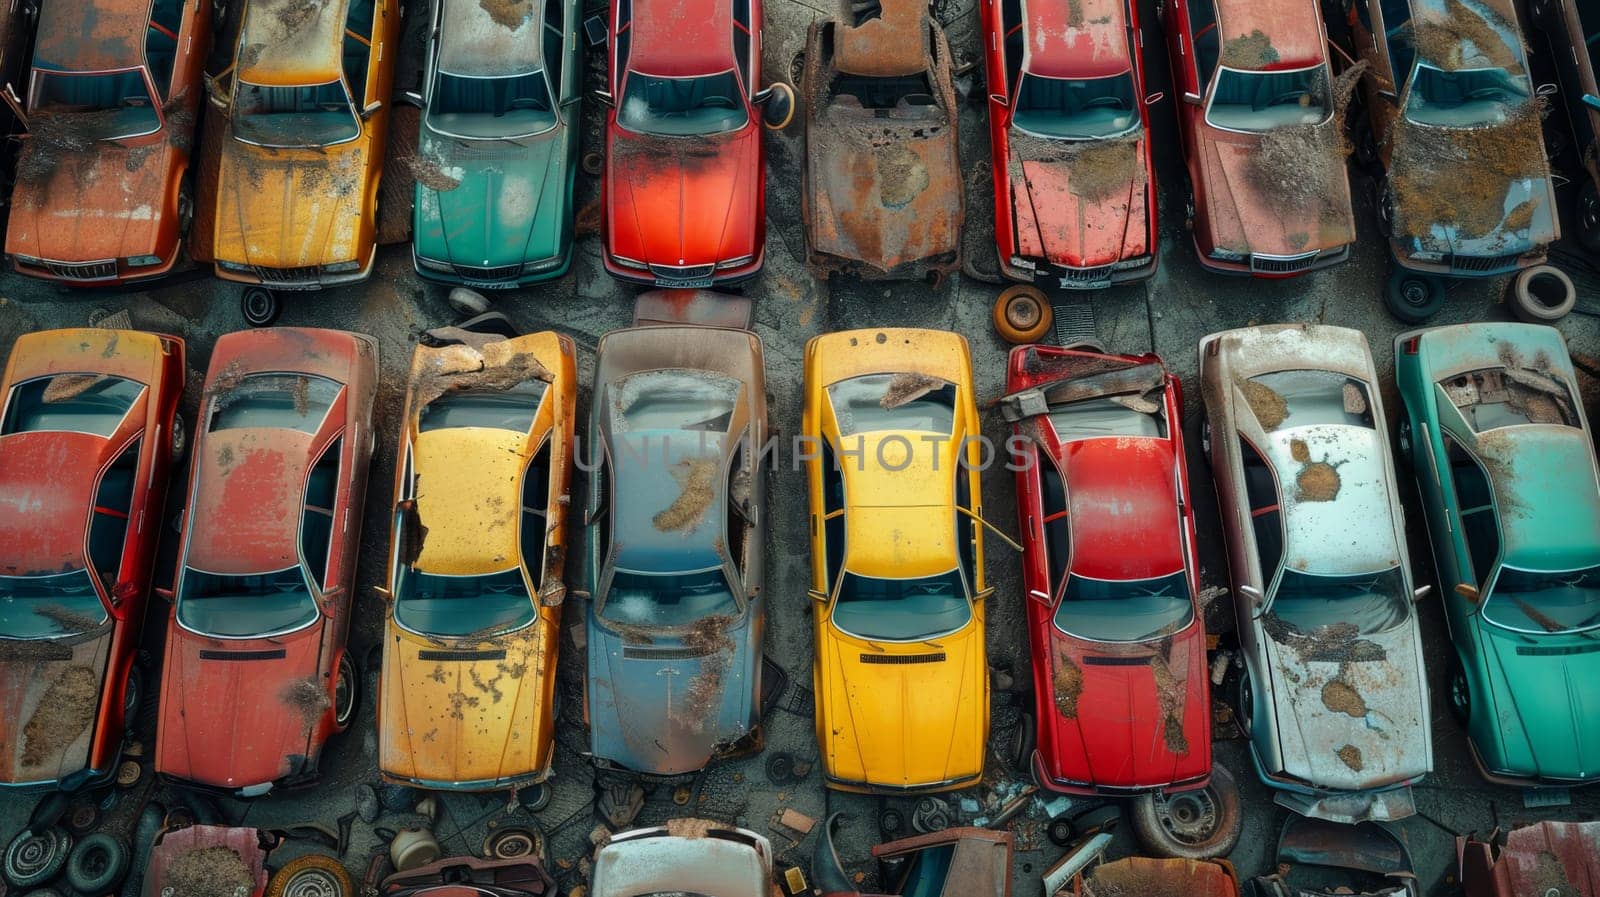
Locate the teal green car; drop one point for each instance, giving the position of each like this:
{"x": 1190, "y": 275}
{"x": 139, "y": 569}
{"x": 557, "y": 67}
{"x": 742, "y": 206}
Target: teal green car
{"x": 497, "y": 146}
{"x": 1497, "y": 439}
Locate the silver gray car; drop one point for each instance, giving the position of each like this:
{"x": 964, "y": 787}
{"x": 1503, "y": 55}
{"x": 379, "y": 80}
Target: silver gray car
{"x": 1332, "y": 695}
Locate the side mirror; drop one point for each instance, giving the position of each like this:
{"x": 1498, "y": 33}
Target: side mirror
{"x": 216, "y": 93}
{"x": 554, "y": 594}
{"x": 1155, "y": 98}
{"x": 1015, "y": 545}
{"x": 777, "y": 105}
{"x": 1258, "y": 604}
{"x": 165, "y": 594}
{"x": 818, "y": 595}
{"x": 1592, "y": 101}
{"x": 983, "y": 594}
{"x": 1039, "y": 596}
{"x": 330, "y": 598}
{"x": 371, "y": 109}
{"x": 124, "y": 591}
{"x": 9, "y": 94}
{"x": 384, "y": 593}
{"x": 1191, "y": 99}
{"x": 999, "y": 99}
{"x": 604, "y": 98}
{"x": 1545, "y": 90}
{"x": 1421, "y": 592}
{"x": 1468, "y": 591}
{"x": 410, "y": 98}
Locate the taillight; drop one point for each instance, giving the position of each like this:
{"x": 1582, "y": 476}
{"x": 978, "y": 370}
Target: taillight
{"x": 1411, "y": 345}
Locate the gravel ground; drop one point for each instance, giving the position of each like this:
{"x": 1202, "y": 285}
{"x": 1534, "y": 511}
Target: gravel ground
{"x": 1168, "y": 315}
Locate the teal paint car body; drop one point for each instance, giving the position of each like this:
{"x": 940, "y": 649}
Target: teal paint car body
{"x": 497, "y": 144}
{"x": 1505, "y": 467}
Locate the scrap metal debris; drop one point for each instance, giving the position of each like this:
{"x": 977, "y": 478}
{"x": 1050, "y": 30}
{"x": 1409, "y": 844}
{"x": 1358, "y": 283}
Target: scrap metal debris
{"x": 207, "y": 872}
{"x": 493, "y": 367}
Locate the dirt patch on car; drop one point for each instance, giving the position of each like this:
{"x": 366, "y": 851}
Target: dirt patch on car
{"x": 1350, "y": 755}
{"x": 431, "y": 173}
{"x": 55, "y": 138}
{"x": 207, "y": 872}
{"x": 1441, "y": 38}
{"x": 69, "y": 620}
{"x": 1067, "y": 683}
{"x": 1251, "y": 51}
{"x": 697, "y": 492}
{"x": 1303, "y": 165}
{"x": 1268, "y": 406}
{"x": 702, "y": 697}
{"x": 1335, "y": 643}
{"x": 306, "y": 697}
{"x": 907, "y": 387}
{"x": 293, "y": 16}
{"x": 66, "y": 387}
{"x": 1548, "y": 876}
{"x": 1316, "y": 480}
{"x": 63, "y": 713}
{"x": 1340, "y": 696}
{"x": 1096, "y": 169}
{"x": 1429, "y": 191}
{"x": 508, "y": 14}
{"x": 1170, "y": 697}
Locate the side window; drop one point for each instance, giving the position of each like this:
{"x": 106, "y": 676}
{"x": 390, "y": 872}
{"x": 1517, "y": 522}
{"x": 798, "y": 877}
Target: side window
{"x": 1266, "y": 517}
{"x": 966, "y": 551}
{"x": 1207, "y": 43}
{"x": 1397, "y": 36}
{"x": 832, "y": 501}
{"x": 357, "y": 48}
{"x": 1011, "y": 23}
{"x": 161, "y": 41}
{"x": 1057, "y": 523}
{"x": 741, "y": 38}
{"x": 316, "y": 519}
{"x": 535, "y": 515}
{"x": 1475, "y": 506}
{"x": 108, "y": 527}
{"x": 737, "y": 527}
{"x": 600, "y": 484}
{"x": 622, "y": 38}
{"x": 555, "y": 26}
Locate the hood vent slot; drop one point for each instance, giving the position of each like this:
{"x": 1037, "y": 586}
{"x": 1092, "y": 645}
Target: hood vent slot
{"x": 462, "y": 655}
{"x": 646, "y": 652}
{"x": 902, "y": 659}
{"x": 1535, "y": 651}
{"x": 277, "y": 654}
{"x": 1128, "y": 661}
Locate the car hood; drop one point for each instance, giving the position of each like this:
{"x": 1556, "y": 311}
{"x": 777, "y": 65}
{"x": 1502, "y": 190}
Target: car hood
{"x": 106, "y": 202}
{"x": 508, "y": 204}
{"x": 1247, "y": 215}
{"x": 1351, "y": 710}
{"x": 896, "y": 723}
{"x": 1127, "y": 716}
{"x": 683, "y": 201}
{"x": 236, "y": 713}
{"x": 664, "y": 702}
{"x": 468, "y": 710}
{"x": 1525, "y": 221}
{"x": 292, "y": 208}
{"x": 1546, "y": 706}
{"x": 49, "y": 694}
{"x": 1083, "y": 213}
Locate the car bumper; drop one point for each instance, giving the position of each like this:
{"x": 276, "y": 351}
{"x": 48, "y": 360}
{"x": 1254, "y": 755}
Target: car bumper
{"x": 292, "y": 279}
{"x": 455, "y": 278}
{"x": 865, "y": 787}
{"x": 1470, "y": 266}
{"x": 1051, "y": 276}
{"x": 479, "y": 785}
{"x": 723, "y": 278}
{"x": 1516, "y": 779}
{"x": 125, "y": 275}
{"x": 1066, "y": 786}
{"x": 1248, "y": 268}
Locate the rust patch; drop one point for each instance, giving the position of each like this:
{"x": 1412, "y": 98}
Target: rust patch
{"x": 1340, "y": 696}
{"x": 1249, "y": 51}
{"x": 1548, "y": 877}
{"x": 702, "y": 697}
{"x": 1170, "y": 698}
{"x": 64, "y": 712}
{"x": 1265, "y": 403}
{"x": 207, "y": 872}
{"x": 508, "y": 14}
{"x": 1067, "y": 683}
{"x": 697, "y": 490}
{"x": 307, "y": 697}
{"x": 907, "y": 387}
{"x": 1317, "y": 481}
{"x": 1350, "y": 755}
{"x": 292, "y": 16}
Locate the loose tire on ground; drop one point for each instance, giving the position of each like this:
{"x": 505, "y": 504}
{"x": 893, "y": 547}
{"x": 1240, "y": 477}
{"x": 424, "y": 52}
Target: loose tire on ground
{"x": 98, "y": 863}
{"x": 260, "y": 306}
{"x": 312, "y": 875}
{"x": 35, "y": 859}
{"x": 1542, "y": 294}
{"x": 1413, "y": 297}
{"x": 1194, "y": 825}
{"x": 1022, "y": 314}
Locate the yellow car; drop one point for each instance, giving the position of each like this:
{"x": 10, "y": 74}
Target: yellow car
{"x": 901, "y": 676}
{"x": 477, "y": 551}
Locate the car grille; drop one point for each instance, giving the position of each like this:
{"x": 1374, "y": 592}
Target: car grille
{"x": 501, "y": 272}
{"x": 1480, "y": 264}
{"x": 101, "y": 270}
{"x": 902, "y": 659}
{"x": 1282, "y": 264}
{"x": 669, "y": 273}
{"x": 1085, "y": 278}
{"x": 307, "y": 274}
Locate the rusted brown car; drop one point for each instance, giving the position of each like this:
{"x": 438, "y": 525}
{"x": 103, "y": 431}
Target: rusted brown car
{"x": 882, "y": 193}
{"x": 1548, "y": 859}
{"x": 1317, "y": 858}
{"x": 956, "y": 862}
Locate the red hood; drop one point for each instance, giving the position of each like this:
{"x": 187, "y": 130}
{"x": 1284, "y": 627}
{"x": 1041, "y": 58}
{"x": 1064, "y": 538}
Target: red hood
{"x": 108, "y": 202}
{"x": 1057, "y": 223}
{"x": 1140, "y": 718}
{"x": 241, "y": 719}
{"x": 683, "y": 200}
{"x": 1246, "y": 217}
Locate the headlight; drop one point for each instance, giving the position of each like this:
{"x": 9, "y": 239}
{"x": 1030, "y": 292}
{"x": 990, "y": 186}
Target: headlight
{"x": 235, "y": 267}
{"x": 342, "y": 267}
{"x": 25, "y": 260}
{"x": 1020, "y": 262}
{"x": 1427, "y": 255}
{"x": 143, "y": 261}
{"x": 541, "y": 265}
{"x": 1137, "y": 262}
{"x": 629, "y": 263}
{"x": 1229, "y": 255}
{"x": 735, "y": 263}
{"x": 432, "y": 264}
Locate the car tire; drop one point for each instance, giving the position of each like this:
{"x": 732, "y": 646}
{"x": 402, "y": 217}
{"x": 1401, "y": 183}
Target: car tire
{"x": 535, "y": 798}
{"x": 185, "y": 205}
{"x": 312, "y": 875}
{"x": 260, "y": 306}
{"x": 1364, "y": 147}
{"x": 1413, "y": 297}
{"x": 1022, "y": 314}
{"x": 179, "y": 448}
{"x": 1542, "y": 294}
{"x": 132, "y": 697}
{"x": 1382, "y": 207}
{"x": 348, "y": 682}
{"x": 1195, "y": 825}
{"x": 467, "y": 302}
{"x": 1457, "y": 692}
{"x": 1587, "y": 216}
{"x": 1244, "y": 701}
{"x": 1205, "y": 438}
{"x": 32, "y": 859}
{"x": 98, "y": 864}
{"x": 1022, "y": 744}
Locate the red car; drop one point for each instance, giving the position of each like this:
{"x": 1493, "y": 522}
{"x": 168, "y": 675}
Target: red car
{"x": 1075, "y": 197}
{"x": 89, "y": 431}
{"x": 1269, "y": 193}
{"x": 256, "y": 675}
{"x": 1119, "y": 645}
{"x": 684, "y": 189}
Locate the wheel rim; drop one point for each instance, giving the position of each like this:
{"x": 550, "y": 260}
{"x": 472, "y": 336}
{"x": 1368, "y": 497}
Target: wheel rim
{"x": 512, "y": 845}
{"x": 180, "y": 436}
{"x": 95, "y": 862}
{"x": 257, "y": 305}
{"x": 1246, "y": 702}
{"x": 1023, "y": 313}
{"x": 32, "y": 855}
{"x": 1190, "y": 817}
{"x": 1414, "y": 292}
{"x": 1589, "y": 210}
{"x": 313, "y": 883}
{"x": 130, "y": 699}
{"x": 344, "y": 694}
{"x": 1405, "y": 436}
{"x": 1458, "y": 693}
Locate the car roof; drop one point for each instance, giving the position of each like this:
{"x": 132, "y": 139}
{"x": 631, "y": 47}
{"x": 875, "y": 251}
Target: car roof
{"x": 899, "y": 523}
{"x": 1122, "y": 501}
{"x": 476, "y": 39}
{"x": 469, "y": 498}
{"x": 1290, "y": 34}
{"x": 1095, "y": 47}
{"x": 279, "y": 45}
{"x": 676, "y": 38}
{"x": 1549, "y": 511}
{"x": 671, "y": 500}
{"x": 1333, "y": 487}
{"x": 114, "y": 39}
{"x": 247, "y": 500}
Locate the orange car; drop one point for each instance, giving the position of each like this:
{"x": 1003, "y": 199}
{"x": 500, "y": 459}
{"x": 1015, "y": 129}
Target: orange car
{"x": 307, "y": 104}
{"x": 101, "y": 195}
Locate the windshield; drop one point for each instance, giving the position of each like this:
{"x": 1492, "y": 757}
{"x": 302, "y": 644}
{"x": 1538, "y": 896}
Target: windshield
{"x": 53, "y": 606}
{"x": 276, "y": 401}
{"x": 454, "y": 606}
{"x": 227, "y": 606}
{"x": 644, "y": 599}
{"x": 879, "y": 402}
{"x": 901, "y": 609}
{"x": 70, "y": 403}
{"x": 1125, "y": 611}
{"x": 681, "y": 107}
{"x": 697, "y": 401}
{"x": 1287, "y": 400}
{"x": 1261, "y": 101}
{"x": 1465, "y": 98}
{"x": 1372, "y": 602}
{"x": 1074, "y": 108}
{"x": 109, "y": 105}
{"x": 1529, "y": 601}
{"x": 317, "y": 115}
{"x": 491, "y": 107}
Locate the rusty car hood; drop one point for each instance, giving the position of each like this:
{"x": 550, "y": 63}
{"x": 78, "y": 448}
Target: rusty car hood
{"x": 1083, "y": 220}
{"x": 47, "y": 482}
{"x": 244, "y": 843}
{"x": 291, "y": 208}
{"x": 1561, "y": 859}
{"x": 669, "y": 701}
{"x": 683, "y": 201}
{"x": 247, "y": 711}
{"x": 50, "y": 691}
{"x": 1247, "y": 217}
{"x": 106, "y": 202}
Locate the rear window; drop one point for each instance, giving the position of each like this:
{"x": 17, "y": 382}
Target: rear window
{"x": 697, "y": 401}
{"x": 1284, "y": 400}
{"x": 277, "y": 401}
{"x": 1505, "y": 397}
{"x": 906, "y": 401}
{"x": 74, "y": 403}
